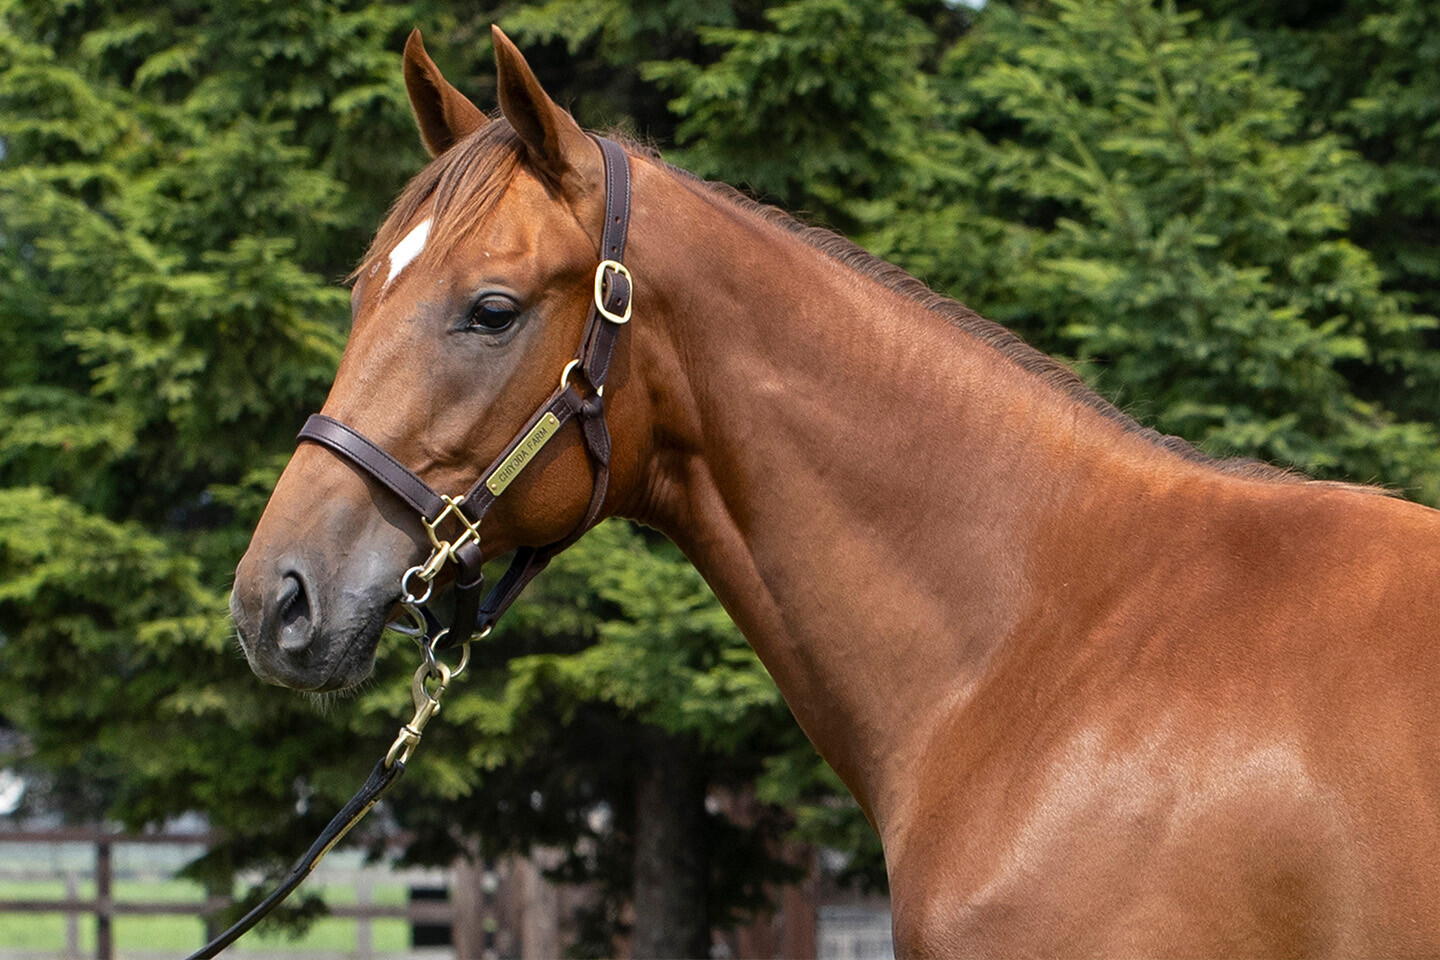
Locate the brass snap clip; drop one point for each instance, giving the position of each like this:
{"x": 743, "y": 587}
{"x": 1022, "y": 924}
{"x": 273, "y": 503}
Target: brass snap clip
{"x": 427, "y": 701}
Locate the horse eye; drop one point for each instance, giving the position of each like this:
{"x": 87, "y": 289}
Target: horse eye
{"x": 492, "y": 314}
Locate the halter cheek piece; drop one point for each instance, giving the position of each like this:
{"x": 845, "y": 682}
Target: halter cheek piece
{"x": 609, "y": 311}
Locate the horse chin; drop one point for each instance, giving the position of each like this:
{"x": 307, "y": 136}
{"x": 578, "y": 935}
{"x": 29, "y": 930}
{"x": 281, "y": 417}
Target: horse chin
{"x": 354, "y": 661}
{"x": 349, "y": 664}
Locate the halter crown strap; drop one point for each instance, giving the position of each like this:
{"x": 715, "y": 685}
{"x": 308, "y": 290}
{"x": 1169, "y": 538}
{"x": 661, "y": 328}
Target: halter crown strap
{"x": 609, "y": 312}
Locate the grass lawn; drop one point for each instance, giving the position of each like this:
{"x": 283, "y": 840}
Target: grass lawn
{"x": 181, "y": 934}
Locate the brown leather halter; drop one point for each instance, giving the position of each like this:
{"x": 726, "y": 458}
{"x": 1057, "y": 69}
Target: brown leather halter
{"x": 609, "y": 312}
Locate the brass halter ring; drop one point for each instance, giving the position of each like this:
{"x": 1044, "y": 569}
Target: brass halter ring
{"x": 565, "y": 378}
{"x": 441, "y": 552}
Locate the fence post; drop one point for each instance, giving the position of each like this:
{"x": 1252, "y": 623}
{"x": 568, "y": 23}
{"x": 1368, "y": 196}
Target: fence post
{"x": 364, "y": 926}
{"x": 72, "y": 920}
{"x": 104, "y": 871}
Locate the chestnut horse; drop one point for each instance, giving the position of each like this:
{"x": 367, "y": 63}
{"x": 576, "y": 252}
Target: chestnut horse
{"x": 1098, "y": 693}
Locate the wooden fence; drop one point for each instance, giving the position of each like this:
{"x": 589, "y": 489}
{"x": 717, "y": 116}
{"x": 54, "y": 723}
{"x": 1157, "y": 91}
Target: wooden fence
{"x": 105, "y": 908}
{"x": 504, "y": 909}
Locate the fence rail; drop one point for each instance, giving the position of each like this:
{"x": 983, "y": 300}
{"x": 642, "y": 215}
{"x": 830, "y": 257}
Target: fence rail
{"x": 104, "y": 906}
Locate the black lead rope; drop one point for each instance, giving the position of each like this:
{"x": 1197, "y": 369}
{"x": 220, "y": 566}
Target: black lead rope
{"x": 382, "y": 778}
{"x": 609, "y": 312}
{"x": 430, "y": 683}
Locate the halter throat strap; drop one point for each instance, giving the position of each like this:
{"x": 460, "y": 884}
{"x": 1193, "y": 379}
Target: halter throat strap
{"x": 609, "y": 312}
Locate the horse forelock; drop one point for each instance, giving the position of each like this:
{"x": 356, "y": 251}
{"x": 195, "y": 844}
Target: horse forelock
{"x": 460, "y": 188}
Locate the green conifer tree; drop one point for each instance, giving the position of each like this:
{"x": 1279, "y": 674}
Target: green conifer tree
{"x": 180, "y": 191}
{"x": 1138, "y": 194}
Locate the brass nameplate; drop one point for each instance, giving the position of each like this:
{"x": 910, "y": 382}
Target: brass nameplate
{"x": 520, "y": 457}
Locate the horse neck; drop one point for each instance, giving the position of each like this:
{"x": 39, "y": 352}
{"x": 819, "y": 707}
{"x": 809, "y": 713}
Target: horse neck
{"x": 864, "y": 484}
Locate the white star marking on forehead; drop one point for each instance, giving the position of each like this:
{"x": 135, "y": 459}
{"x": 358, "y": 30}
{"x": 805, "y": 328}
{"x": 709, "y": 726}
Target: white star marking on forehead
{"x": 407, "y": 250}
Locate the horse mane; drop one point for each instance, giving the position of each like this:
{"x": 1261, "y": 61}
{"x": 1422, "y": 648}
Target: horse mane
{"x": 1050, "y": 371}
{"x": 466, "y": 181}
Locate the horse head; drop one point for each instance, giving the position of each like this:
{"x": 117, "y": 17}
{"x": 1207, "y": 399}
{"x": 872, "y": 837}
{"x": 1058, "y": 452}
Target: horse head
{"x": 466, "y": 312}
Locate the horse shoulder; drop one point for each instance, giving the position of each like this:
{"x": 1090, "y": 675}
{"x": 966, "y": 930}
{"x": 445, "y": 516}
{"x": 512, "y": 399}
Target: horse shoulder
{"x": 1241, "y": 777}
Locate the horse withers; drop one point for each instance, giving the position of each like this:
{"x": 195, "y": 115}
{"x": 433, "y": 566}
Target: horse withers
{"x": 1098, "y": 693}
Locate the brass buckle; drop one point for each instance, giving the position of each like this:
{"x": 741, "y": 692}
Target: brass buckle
{"x": 445, "y": 549}
{"x": 619, "y": 268}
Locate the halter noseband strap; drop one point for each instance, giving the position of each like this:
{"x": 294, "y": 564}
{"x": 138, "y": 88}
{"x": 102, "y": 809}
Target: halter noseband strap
{"x": 609, "y": 311}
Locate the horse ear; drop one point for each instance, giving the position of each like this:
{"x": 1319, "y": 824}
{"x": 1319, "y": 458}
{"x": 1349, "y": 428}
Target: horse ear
{"x": 552, "y": 138}
{"x": 442, "y": 112}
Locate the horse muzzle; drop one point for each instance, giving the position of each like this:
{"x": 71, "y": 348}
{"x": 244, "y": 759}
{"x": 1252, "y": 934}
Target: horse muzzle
{"x": 302, "y": 633}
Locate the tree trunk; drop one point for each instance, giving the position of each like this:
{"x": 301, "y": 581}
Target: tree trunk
{"x": 671, "y": 862}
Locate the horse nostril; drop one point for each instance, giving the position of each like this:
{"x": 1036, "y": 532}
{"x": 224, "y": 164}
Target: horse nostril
{"x": 293, "y": 604}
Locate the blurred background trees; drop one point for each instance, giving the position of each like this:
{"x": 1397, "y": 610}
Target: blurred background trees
{"x": 1224, "y": 212}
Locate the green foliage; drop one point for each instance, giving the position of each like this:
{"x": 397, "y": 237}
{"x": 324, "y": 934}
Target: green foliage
{"x": 665, "y": 651}
{"x": 170, "y": 253}
{"x": 1368, "y": 72}
{"x": 1150, "y": 205}
{"x": 822, "y": 110}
